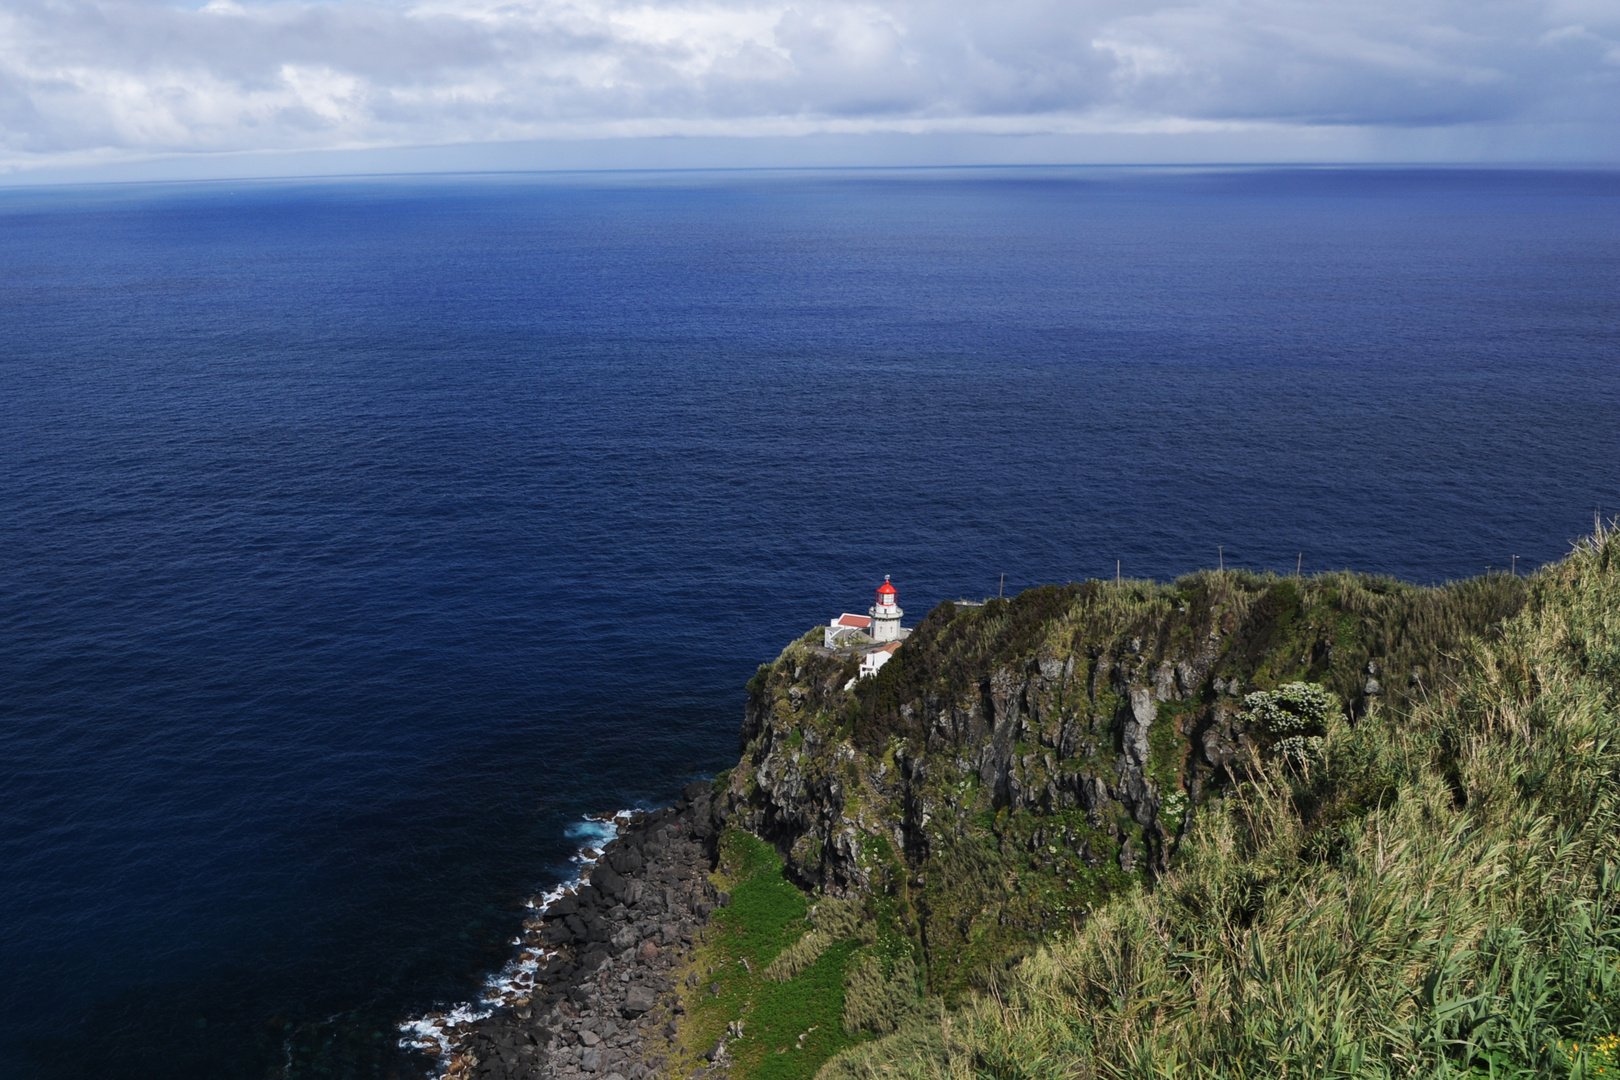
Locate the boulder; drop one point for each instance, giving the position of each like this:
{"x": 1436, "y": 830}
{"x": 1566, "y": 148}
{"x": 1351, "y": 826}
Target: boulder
{"x": 608, "y": 881}
{"x": 639, "y": 1000}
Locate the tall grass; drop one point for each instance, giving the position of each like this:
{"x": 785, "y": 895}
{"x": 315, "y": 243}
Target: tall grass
{"x": 1324, "y": 628}
{"x": 1438, "y": 894}
{"x": 832, "y": 920}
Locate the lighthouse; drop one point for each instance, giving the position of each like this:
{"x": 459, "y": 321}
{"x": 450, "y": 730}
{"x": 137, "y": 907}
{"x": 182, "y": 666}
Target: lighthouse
{"x": 885, "y": 614}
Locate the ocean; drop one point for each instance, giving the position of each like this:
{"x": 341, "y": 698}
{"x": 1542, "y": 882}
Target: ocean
{"x": 361, "y": 535}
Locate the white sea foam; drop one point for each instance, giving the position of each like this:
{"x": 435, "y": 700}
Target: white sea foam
{"x": 440, "y": 1033}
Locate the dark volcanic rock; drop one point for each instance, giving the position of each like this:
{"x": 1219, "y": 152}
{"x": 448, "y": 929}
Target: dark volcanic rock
{"x": 602, "y": 1006}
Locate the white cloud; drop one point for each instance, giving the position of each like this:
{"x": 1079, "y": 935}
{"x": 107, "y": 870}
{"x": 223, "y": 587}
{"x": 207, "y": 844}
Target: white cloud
{"x": 105, "y": 78}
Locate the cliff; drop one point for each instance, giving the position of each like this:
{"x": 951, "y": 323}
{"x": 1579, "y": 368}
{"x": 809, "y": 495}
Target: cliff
{"x": 1232, "y": 825}
{"x": 1019, "y": 762}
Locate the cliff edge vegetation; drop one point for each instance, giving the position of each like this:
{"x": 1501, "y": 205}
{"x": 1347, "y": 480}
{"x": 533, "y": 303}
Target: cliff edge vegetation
{"x": 1234, "y": 825}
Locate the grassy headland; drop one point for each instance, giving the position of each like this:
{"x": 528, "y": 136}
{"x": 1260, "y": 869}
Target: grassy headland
{"x": 1230, "y": 826}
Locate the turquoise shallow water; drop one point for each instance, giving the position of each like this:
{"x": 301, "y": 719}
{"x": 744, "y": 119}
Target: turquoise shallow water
{"x": 361, "y": 535}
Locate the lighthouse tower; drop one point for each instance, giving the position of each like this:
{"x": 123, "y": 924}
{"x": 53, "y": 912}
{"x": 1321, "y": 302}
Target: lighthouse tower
{"x": 886, "y": 614}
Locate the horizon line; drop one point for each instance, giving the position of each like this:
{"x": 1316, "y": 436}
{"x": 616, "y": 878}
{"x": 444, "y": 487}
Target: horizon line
{"x": 19, "y": 180}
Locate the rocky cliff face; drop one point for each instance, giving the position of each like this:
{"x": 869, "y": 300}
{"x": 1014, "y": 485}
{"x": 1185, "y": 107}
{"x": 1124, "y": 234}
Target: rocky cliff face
{"x": 1017, "y": 761}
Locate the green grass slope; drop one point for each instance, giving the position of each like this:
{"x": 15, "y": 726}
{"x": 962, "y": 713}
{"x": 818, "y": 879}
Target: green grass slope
{"x": 781, "y": 1021}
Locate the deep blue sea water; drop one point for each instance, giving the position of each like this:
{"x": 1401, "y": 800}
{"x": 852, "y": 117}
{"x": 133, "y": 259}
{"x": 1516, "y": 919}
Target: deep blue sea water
{"x": 358, "y": 536}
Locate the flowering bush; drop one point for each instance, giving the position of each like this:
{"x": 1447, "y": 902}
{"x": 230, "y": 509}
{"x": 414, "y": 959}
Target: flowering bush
{"x": 1295, "y": 716}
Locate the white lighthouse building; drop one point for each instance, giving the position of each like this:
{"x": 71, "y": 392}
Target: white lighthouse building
{"x": 885, "y": 614}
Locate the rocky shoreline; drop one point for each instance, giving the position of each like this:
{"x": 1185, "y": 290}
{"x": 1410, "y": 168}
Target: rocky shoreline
{"x": 601, "y": 1002}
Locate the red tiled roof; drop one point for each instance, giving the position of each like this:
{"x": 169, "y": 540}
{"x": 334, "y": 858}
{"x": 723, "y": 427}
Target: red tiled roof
{"x": 890, "y": 647}
{"x": 860, "y": 622}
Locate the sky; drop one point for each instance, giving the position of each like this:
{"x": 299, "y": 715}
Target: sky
{"x": 246, "y": 87}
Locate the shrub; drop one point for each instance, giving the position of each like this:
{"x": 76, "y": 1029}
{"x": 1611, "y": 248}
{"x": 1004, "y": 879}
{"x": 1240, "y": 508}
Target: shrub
{"x": 1295, "y": 719}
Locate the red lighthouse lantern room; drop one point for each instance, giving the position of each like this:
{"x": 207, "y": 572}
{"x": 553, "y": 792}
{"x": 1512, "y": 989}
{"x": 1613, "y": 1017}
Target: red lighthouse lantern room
{"x": 886, "y": 593}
